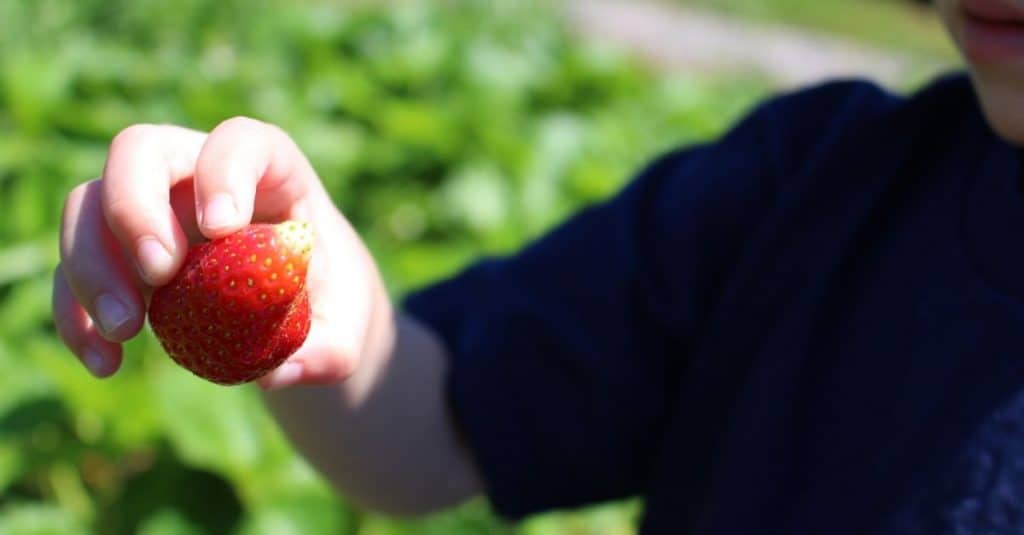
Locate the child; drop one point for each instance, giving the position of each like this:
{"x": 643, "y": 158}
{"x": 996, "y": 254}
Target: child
{"x": 813, "y": 325}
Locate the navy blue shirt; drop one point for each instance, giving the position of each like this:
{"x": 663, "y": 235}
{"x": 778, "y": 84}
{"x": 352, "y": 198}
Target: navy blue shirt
{"x": 813, "y": 325}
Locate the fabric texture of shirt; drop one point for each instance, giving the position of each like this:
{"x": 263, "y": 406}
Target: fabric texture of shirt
{"x": 813, "y": 325}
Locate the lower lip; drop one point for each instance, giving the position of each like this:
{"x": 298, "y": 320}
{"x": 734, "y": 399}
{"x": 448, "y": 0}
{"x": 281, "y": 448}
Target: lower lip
{"x": 987, "y": 41}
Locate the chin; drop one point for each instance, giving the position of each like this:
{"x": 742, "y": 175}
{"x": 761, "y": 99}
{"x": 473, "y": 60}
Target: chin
{"x": 1002, "y": 101}
{"x": 990, "y": 36}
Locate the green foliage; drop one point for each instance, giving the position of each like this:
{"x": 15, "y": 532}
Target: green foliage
{"x": 444, "y": 130}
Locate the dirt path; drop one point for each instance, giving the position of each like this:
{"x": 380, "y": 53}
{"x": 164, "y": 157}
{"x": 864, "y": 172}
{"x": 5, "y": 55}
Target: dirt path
{"x": 685, "y": 38}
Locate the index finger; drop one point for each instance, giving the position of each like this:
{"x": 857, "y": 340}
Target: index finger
{"x": 144, "y": 163}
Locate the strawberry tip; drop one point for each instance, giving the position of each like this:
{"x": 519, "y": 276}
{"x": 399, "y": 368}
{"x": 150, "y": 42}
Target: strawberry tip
{"x": 296, "y": 237}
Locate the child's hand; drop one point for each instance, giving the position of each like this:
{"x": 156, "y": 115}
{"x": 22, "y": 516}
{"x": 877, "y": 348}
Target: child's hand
{"x": 164, "y": 187}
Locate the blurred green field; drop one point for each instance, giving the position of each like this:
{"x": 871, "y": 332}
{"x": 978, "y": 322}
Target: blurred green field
{"x": 445, "y": 130}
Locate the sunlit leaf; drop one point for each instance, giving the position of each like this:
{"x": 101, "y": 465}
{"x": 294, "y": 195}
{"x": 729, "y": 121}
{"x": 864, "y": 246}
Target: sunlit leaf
{"x": 38, "y": 519}
{"x": 27, "y": 259}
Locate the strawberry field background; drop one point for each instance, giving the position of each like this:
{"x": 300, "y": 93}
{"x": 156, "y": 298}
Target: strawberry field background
{"x": 444, "y": 130}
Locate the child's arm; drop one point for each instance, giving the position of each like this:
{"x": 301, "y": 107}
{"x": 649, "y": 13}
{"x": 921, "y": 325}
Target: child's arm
{"x": 384, "y": 437}
{"x": 378, "y": 427}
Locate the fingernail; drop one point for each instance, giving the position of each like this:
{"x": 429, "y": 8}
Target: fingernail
{"x": 94, "y": 362}
{"x": 219, "y": 212}
{"x": 285, "y": 375}
{"x": 154, "y": 259}
{"x": 111, "y": 313}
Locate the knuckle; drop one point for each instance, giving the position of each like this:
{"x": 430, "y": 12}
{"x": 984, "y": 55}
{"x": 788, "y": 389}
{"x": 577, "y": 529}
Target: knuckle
{"x": 71, "y": 212}
{"x": 120, "y": 211}
{"x": 132, "y": 136}
{"x": 343, "y": 370}
{"x": 71, "y": 206}
{"x": 248, "y": 126}
{"x": 240, "y": 123}
{"x": 77, "y": 194}
{"x": 77, "y": 197}
{"x": 340, "y": 366}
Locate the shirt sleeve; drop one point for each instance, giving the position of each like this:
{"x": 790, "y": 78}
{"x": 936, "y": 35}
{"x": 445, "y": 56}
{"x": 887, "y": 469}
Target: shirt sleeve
{"x": 565, "y": 356}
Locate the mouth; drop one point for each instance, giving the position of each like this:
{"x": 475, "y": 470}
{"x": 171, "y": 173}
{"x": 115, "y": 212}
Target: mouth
{"x": 993, "y": 32}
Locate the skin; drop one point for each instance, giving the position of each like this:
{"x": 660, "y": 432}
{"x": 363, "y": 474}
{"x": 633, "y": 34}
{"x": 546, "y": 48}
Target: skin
{"x": 363, "y": 369}
{"x": 998, "y": 83}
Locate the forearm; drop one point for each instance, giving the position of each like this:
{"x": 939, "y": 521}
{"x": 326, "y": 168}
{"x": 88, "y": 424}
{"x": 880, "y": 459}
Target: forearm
{"x": 384, "y": 438}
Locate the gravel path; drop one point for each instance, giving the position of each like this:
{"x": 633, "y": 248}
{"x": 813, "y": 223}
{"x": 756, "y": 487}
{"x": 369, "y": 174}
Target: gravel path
{"x": 685, "y": 38}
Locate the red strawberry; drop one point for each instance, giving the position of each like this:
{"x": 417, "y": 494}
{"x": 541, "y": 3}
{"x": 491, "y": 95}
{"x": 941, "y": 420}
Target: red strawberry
{"x": 238, "y": 307}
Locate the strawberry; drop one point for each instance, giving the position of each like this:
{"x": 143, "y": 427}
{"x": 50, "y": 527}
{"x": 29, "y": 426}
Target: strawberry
{"x": 238, "y": 307}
